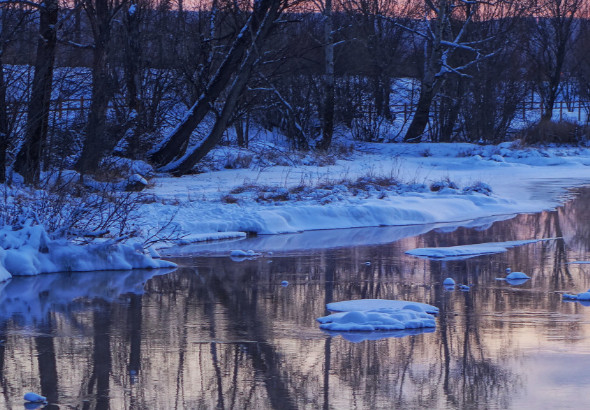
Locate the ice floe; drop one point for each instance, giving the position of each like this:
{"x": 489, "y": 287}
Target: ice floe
{"x": 584, "y": 296}
{"x": 515, "y": 278}
{"x": 469, "y": 251}
{"x": 377, "y": 315}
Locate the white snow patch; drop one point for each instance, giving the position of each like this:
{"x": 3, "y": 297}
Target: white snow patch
{"x": 374, "y": 304}
{"x": 34, "y": 398}
{"x": 584, "y": 296}
{"x": 469, "y": 251}
{"x": 30, "y": 251}
{"x": 383, "y": 319}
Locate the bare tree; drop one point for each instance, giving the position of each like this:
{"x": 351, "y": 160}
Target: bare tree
{"x": 12, "y": 18}
{"x": 101, "y": 14}
{"x": 28, "y": 160}
{"x": 238, "y": 60}
{"x": 551, "y": 43}
{"x": 260, "y": 23}
{"x": 442, "y": 33}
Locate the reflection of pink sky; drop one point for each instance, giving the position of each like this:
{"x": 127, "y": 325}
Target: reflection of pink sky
{"x": 518, "y": 334}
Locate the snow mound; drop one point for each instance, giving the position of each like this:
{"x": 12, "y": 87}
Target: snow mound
{"x": 517, "y": 275}
{"x": 377, "y": 320}
{"x": 469, "y": 251}
{"x": 375, "y": 304}
{"x": 515, "y": 278}
{"x": 584, "y": 296}
{"x": 30, "y": 251}
{"x": 34, "y": 398}
{"x": 238, "y": 253}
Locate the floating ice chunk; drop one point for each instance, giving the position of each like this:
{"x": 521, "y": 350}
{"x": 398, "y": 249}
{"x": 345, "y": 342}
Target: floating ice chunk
{"x": 584, "y": 296}
{"x": 238, "y": 253}
{"x": 517, "y": 275}
{"x": 285, "y": 283}
{"x": 373, "y": 304}
{"x": 515, "y": 278}
{"x": 34, "y": 398}
{"x": 464, "y": 288}
{"x": 449, "y": 282}
{"x": 469, "y": 251}
{"x": 383, "y": 319}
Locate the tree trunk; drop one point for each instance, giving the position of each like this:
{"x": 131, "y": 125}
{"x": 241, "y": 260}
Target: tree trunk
{"x": 328, "y": 102}
{"x": 237, "y": 88}
{"x": 422, "y": 114}
{"x": 3, "y": 125}
{"x": 28, "y": 159}
{"x": 95, "y": 142}
{"x": 177, "y": 143}
{"x": 132, "y": 79}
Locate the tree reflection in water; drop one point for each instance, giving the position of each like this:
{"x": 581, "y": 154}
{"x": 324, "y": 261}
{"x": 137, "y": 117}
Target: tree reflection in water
{"x": 223, "y": 334}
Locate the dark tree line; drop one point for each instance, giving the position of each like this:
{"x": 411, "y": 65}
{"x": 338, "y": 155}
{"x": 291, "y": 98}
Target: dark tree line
{"x": 166, "y": 80}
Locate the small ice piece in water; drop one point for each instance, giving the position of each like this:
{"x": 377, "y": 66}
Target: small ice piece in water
{"x": 515, "y": 278}
{"x": 368, "y": 263}
{"x": 34, "y": 398}
{"x": 584, "y": 296}
{"x": 285, "y": 283}
{"x": 464, "y": 288}
{"x": 449, "y": 282}
{"x": 515, "y": 275}
{"x": 239, "y": 255}
{"x": 383, "y": 319}
{"x": 244, "y": 254}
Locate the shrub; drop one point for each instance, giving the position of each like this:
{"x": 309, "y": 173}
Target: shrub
{"x": 557, "y": 132}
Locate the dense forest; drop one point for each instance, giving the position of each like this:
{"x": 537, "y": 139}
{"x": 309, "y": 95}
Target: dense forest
{"x": 164, "y": 81}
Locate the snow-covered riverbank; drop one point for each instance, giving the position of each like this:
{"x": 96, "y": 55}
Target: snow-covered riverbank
{"x": 351, "y": 193}
{"x": 412, "y": 186}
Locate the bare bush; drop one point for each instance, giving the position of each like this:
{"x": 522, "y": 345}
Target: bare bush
{"x": 555, "y": 132}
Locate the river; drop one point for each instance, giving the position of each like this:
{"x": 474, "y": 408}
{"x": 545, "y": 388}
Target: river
{"x": 223, "y": 333}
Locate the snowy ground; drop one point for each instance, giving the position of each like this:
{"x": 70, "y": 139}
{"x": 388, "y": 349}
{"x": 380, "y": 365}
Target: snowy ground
{"x": 411, "y": 188}
{"x": 394, "y": 190}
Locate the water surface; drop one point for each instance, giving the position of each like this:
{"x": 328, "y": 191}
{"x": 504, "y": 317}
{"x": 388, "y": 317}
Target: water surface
{"x": 219, "y": 333}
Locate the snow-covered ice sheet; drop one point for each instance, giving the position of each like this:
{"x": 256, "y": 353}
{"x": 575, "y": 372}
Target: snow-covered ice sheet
{"x": 469, "y": 251}
{"x": 324, "y": 239}
{"x": 372, "y": 304}
{"x": 377, "y": 315}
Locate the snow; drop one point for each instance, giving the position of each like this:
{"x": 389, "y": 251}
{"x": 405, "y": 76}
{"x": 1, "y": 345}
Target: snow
{"x": 408, "y": 188}
{"x": 377, "y": 315}
{"x": 469, "y": 251}
{"x": 375, "y": 304}
{"x": 584, "y": 296}
{"x": 29, "y": 250}
{"x": 301, "y": 197}
{"x": 34, "y": 398}
{"x": 515, "y": 278}
{"x": 376, "y": 319}
{"x": 516, "y": 275}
